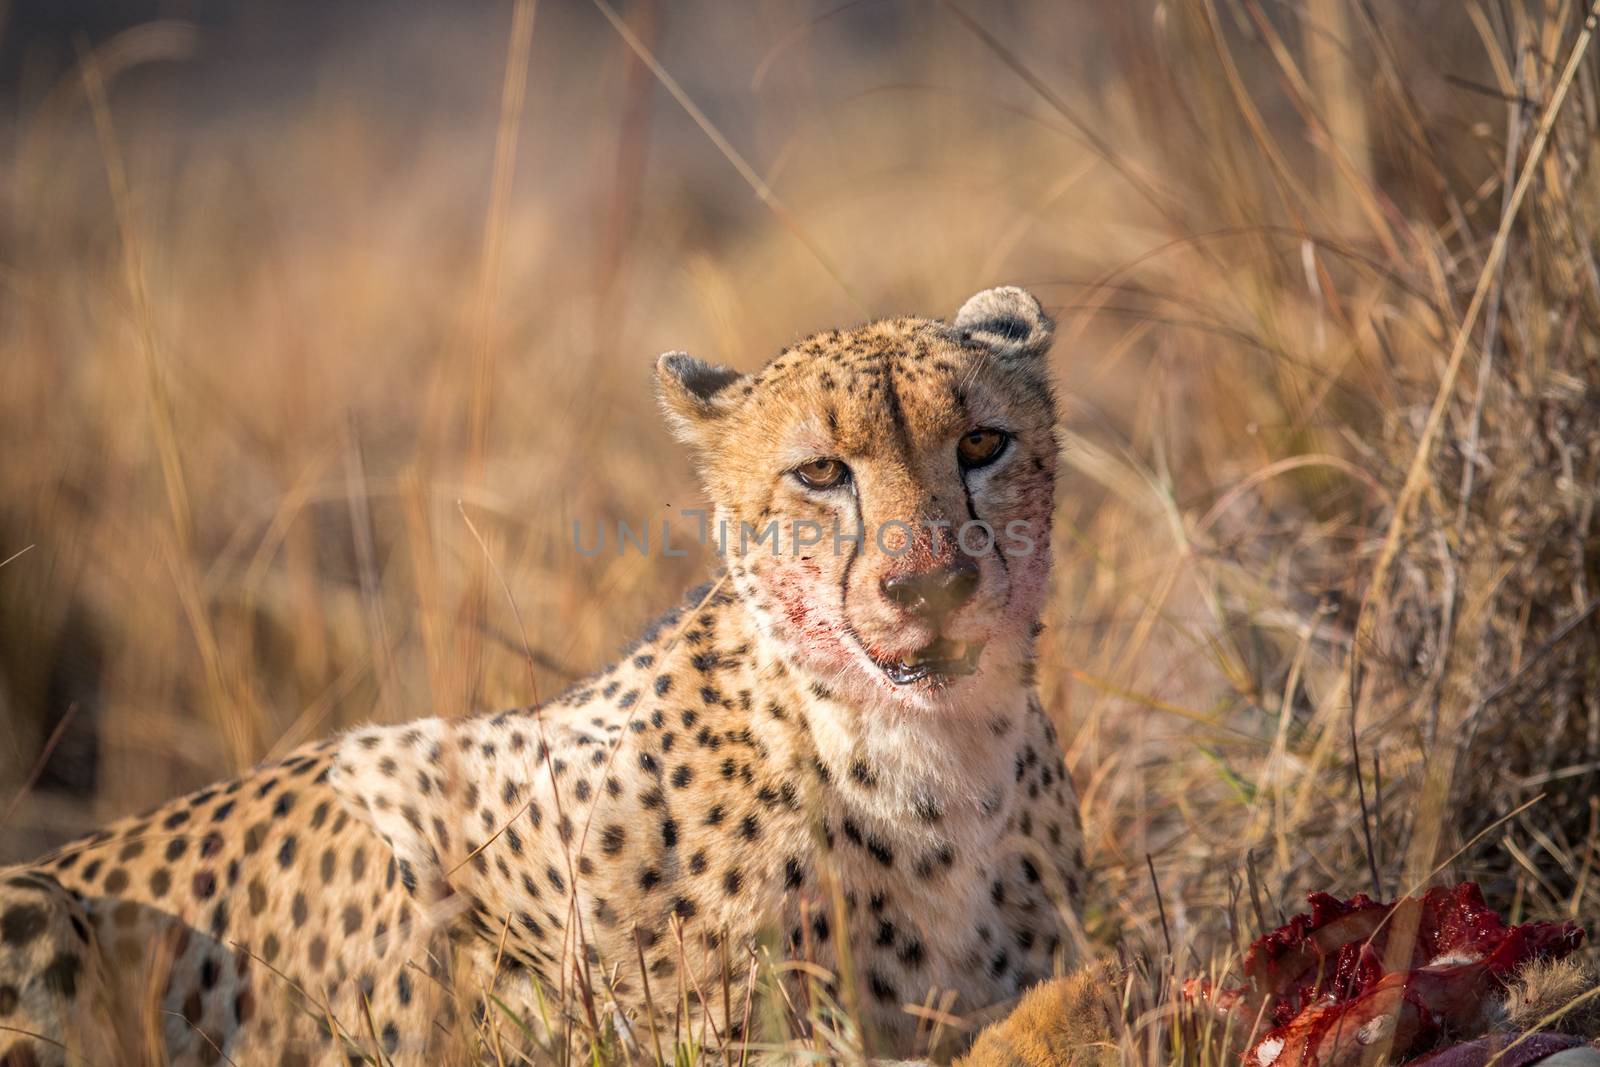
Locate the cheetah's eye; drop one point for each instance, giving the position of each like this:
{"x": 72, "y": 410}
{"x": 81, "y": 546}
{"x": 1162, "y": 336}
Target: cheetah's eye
{"x": 981, "y": 447}
{"x": 822, "y": 474}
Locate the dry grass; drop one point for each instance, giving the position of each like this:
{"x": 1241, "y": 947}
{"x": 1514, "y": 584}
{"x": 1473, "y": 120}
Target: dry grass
{"x": 1330, "y": 319}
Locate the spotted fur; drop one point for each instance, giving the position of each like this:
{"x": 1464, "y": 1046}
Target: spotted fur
{"x": 746, "y": 779}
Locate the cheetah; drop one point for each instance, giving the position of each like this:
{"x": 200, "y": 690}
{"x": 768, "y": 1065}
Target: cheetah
{"x": 832, "y": 754}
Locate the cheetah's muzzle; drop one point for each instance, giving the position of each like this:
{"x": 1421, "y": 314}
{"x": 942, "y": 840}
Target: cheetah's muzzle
{"x": 936, "y": 663}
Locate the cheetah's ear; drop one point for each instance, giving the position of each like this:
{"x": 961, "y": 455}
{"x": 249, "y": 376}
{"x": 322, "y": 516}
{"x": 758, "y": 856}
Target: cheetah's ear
{"x": 694, "y": 394}
{"x": 1007, "y": 321}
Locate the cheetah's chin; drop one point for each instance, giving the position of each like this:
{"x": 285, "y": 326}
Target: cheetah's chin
{"x": 934, "y": 664}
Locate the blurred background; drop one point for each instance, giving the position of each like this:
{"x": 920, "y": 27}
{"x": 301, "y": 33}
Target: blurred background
{"x": 321, "y": 324}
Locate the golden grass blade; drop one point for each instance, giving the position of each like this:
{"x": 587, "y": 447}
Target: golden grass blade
{"x": 747, "y": 172}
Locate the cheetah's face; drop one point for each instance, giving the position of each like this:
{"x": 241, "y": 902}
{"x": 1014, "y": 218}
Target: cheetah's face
{"x": 884, "y": 495}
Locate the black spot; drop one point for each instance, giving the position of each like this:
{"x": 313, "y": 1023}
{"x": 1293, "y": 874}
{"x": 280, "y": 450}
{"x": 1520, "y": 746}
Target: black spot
{"x": 793, "y": 875}
{"x": 882, "y": 989}
{"x": 863, "y": 774}
{"x": 21, "y": 923}
{"x": 731, "y": 881}
{"x": 116, "y": 881}
{"x": 669, "y": 833}
{"x": 61, "y": 974}
{"x": 611, "y": 839}
{"x": 286, "y": 852}
{"x": 649, "y": 878}
{"x": 880, "y": 851}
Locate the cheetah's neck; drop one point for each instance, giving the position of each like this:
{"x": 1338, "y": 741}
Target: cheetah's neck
{"x": 909, "y": 758}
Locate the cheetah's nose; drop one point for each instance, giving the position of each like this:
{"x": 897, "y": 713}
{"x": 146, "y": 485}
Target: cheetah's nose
{"x": 933, "y": 592}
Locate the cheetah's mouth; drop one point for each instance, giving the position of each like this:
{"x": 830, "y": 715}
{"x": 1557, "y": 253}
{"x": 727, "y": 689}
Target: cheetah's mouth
{"x": 936, "y": 663}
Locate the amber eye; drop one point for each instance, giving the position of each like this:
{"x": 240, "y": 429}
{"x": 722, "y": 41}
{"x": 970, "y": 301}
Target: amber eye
{"x": 981, "y": 447}
{"x": 822, "y": 473}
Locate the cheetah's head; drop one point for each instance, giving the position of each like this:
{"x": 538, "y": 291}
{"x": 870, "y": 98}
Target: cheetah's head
{"x": 935, "y": 443}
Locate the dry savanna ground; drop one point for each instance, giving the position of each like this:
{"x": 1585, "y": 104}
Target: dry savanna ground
{"x": 314, "y": 329}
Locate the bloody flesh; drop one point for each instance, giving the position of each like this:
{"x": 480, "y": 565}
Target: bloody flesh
{"x": 1353, "y": 974}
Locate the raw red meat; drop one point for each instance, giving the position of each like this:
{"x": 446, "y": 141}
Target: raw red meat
{"x": 1354, "y": 974}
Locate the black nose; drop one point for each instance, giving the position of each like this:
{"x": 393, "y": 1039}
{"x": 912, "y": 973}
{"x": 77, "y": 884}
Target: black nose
{"x": 936, "y": 592}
